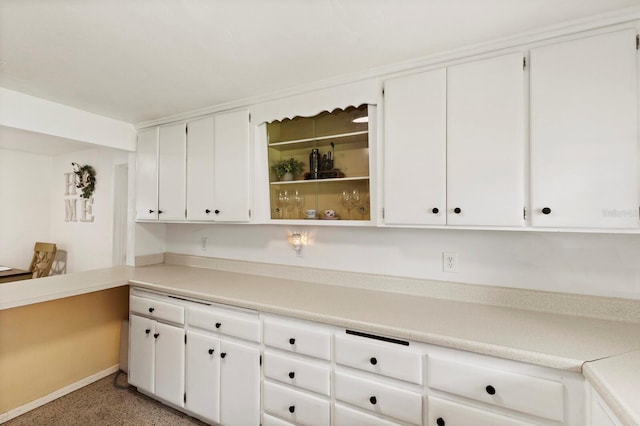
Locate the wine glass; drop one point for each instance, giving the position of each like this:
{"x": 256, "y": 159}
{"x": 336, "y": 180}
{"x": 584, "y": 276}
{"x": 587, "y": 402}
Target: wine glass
{"x": 298, "y": 202}
{"x": 284, "y": 200}
{"x": 350, "y": 198}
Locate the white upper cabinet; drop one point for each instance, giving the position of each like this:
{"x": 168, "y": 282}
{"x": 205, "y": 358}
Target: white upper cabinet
{"x": 231, "y": 166}
{"x": 171, "y": 172}
{"x": 415, "y": 149}
{"x": 584, "y": 132}
{"x": 147, "y": 175}
{"x": 486, "y": 142}
{"x": 218, "y": 172}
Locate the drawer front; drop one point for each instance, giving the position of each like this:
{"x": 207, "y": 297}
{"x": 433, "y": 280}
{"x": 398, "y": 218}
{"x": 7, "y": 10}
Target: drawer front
{"x": 531, "y": 395}
{"x": 379, "y": 397}
{"x": 297, "y": 372}
{"x": 268, "y": 420}
{"x": 296, "y": 407}
{"x": 387, "y": 359}
{"x": 157, "y": 309}
{"x": 344, "y": 416}
{"x": 297, "y": 338}
{"x": 453, "y": 414}
{"x": 229, "y": 323}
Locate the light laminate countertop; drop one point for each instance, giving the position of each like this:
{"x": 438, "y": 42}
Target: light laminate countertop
{"x": 548, "y": 339}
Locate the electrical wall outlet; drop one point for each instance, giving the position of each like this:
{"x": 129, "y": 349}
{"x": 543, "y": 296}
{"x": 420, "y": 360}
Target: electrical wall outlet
{"x": 449, "y": 261}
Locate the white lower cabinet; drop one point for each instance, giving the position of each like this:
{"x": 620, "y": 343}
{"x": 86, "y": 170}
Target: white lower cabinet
{"x": 203, "y": 376}
{"x": 345, "y": 416}
{"x": 156, "y": 359}
{"x": 599, "y": 413}
{"x": 295, "y": 406}
{"x": 447, "y": 413}
{"x": 239, "y": 384}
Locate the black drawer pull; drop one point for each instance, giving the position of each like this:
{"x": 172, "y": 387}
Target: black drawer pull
{"x": 490, "y": 390}
{"x": 207, "y": 211}
{"x": 223, "y": 354}
{"x": 218, "y": 324}
{"x": 457, "y": 210}
{"x": 373, "y": 400}
{"x": 546, "y": 210}
{"x": 292, "y": 409}
{"x": 435, "y": 210}
{"x": 147, "y": 331}
{"x": 211, "y": 351}
{"x": 150, "y": 211}
{"x": 151, "y": 310}
{"x": 373, "y": 361}
{"x": 292, "y": 374}
{"x": 156, "y": 335}
{"x": 292, "y": 341}
{"x": 440, "y": 421}
{"x": 217, "y": 211}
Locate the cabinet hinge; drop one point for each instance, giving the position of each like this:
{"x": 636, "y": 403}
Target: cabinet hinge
{"x": 524, "y": 62}
{"x": 383, "y": 91}
{"x": 524, "y": 213}
{"x": 637, "y": 41}
{"x": 249, "y": 213}
{"x": 383, "y": 212}
{"x": 249, "y": 117}
{"x": 185, "y": 397}
{"x": 185, "y": 339}
{"x": 260, "y": 359}
{"x": 186, "y": 129}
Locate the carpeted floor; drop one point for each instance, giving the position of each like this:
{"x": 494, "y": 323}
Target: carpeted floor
{"x": 101, "y": 403}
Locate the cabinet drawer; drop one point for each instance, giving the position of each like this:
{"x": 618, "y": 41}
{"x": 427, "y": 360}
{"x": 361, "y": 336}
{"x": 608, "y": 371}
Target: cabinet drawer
{"x": 456, "y": 415}
{"x": 379, "y": 397}
{"x": 531, "y": 395}
{"x": 297, "y": 372}
{"x": 234, "y": 324}
{"x": 157, "y": 309}
{"x": 268, "y": 420}
{"x": 297, "y": 337}
{"x": 296, "y": 407}
{"x": 387, "y": 359}
{"x": 344, "y": 416}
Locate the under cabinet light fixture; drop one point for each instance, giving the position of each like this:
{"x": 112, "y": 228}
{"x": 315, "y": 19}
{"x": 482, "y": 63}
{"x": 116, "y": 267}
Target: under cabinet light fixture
{"x": 297, "y": 241}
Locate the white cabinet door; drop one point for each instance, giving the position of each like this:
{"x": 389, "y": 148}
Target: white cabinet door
{"x": 584, "y": 132}
{"x": 599, "y": 412}
{"x": 200, "y": 169}
{"x": 239, "y": 384}
{"x": 415, "y": 149}
{"x": 203, "y": 376}
{"x": 486, "y": 142}
{"x": 169, "y": 363}
{"x": 141, "y": 353}
{"x": 171, "y": 172}
{"x": 231, "y": 166}
{"x": 147, "y": 175}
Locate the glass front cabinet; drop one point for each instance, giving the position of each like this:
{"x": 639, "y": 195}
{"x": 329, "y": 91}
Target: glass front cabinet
{"x": 319, "y": 167}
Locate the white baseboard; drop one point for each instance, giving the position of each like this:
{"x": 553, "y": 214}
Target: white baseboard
{"x": 57, "y": 394}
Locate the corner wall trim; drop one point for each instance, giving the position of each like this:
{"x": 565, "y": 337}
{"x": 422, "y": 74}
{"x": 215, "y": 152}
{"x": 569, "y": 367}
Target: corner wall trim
{"x": 6, "y": 416}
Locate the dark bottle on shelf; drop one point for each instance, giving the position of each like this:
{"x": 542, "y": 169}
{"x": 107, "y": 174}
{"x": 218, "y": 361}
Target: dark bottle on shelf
{"x": 314, "y": 163}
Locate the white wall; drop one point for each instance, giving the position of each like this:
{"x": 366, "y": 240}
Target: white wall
{"x": 596, "y": 264}
{"x": 24, "y": 205}
{"x": 89, "y": 245}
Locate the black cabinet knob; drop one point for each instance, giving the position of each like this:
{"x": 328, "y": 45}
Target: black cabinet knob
{"x": 440, "y": 421}
{"x": 151, "y": 211}
{"x": 207, "y": 211}
{"x": 292, "y": 374}
{"x": 156, "y": 335}
{"x": 223, "y": 354}
{"x": 292, "y": 341}
{"x": 373, "y": 361}
{"x": 546, "y": 210}
{"x": 218, "y": 324}
{"x": 373, "y": 400}
{"x": 159, "y": 211}
{"x": 435, "y": 210}
{"x": 217, "y": 211}
{"x": 211, "y": 351}
{"x": 490, "y": 390}
{"x": 292, "y": 409}
{"x": 147, "y": 331}
{"x": 457, "y": 210}
{"x": 151, "y": 310}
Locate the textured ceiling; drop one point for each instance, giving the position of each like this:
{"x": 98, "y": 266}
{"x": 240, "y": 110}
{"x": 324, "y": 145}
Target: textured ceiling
{"x": 146, "y": 59}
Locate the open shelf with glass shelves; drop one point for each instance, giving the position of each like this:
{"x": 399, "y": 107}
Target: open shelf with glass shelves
{"x": 333, "y": 148}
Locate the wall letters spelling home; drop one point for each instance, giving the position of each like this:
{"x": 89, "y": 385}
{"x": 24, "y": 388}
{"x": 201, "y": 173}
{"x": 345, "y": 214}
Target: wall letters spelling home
{"x": 83, "y": 178}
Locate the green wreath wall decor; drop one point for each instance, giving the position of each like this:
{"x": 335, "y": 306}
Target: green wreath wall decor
{"x": 85, "y": 179}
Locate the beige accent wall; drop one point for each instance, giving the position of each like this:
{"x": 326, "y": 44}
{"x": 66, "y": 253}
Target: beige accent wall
{"x": 47, "y": 346}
